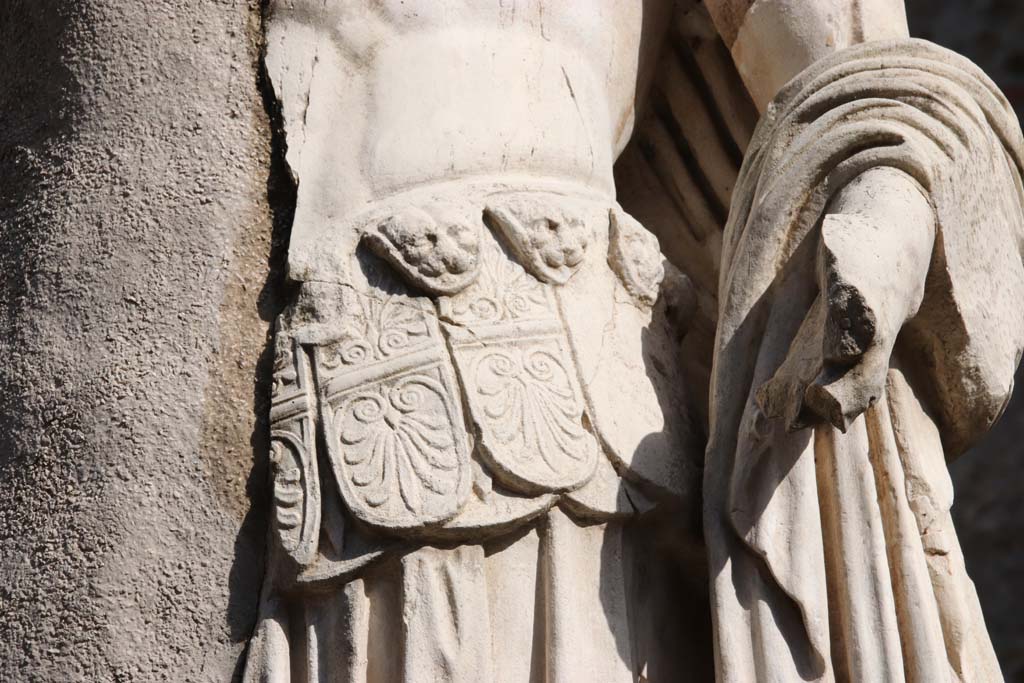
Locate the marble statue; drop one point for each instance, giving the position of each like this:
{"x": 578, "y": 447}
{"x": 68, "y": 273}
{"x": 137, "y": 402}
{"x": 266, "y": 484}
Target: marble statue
{"x": 630, "y": 341}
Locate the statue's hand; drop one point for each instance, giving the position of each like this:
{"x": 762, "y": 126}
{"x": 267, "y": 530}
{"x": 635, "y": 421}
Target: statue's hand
{"x": 874, "y": 252}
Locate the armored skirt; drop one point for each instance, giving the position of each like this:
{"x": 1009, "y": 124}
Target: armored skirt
{"x": 497, "y": 481}
{"x": 557, "y": 601}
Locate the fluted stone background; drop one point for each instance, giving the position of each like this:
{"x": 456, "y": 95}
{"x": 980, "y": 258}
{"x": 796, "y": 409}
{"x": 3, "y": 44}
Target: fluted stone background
{"x": 990, "y": 479}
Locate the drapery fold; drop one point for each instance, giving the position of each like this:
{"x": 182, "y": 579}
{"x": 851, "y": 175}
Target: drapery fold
{"x": 819, "y": 542}
{"x": 557, "y": 602}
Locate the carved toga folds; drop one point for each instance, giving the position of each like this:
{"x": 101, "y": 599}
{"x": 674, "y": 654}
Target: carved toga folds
{"x": 833, "y": 554}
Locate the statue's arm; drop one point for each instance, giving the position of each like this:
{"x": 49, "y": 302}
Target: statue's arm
{"x": 876, "y": 244}
{"x": 773, "y": 40}
{"x": 878, "y": 231}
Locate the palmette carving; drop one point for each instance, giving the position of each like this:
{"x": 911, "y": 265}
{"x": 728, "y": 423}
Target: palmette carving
{"x": 296, "y": 483}
{"x": 395, "y": 438}
{"x": 520, "y": 383}
{"x": 391, "y": 416}
{"x": 528, "y": 405}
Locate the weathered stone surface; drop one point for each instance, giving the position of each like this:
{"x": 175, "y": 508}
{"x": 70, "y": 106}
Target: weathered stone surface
{"x": 136, "y": 296}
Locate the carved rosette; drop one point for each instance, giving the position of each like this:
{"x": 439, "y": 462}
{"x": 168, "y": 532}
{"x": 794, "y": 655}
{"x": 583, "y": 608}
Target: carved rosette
{"x": 296, "y": 483}
{"x": 435, "y": 247}
{"x": 548, "y": 234}
{"x": 634, "y": 256}
{"x": 391, "y": 416}
{"x": 521, "y": 387}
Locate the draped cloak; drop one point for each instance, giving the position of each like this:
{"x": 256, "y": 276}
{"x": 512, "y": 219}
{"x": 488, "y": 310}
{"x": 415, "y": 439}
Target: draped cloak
{"x": 833, "y": 555}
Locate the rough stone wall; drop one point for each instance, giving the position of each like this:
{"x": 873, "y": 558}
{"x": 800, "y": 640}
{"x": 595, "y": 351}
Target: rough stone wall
{"x": 135, "y": 246}
{"x": 989, "y": 480}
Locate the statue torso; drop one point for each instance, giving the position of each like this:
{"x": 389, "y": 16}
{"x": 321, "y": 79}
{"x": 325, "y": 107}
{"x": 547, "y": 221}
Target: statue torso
{"x": 518, "y": 346}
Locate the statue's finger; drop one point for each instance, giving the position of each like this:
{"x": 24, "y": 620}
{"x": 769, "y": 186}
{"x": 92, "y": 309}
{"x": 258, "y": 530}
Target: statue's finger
{"x": 840, "y": 394}
{"x": 782, "y": 397}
